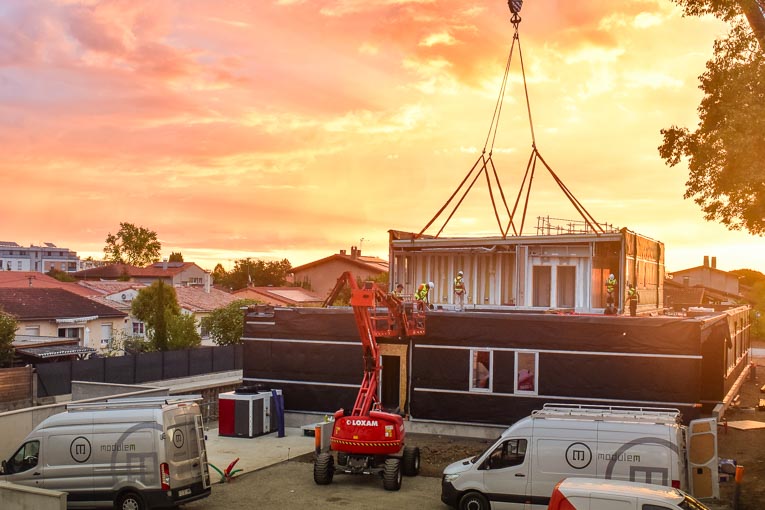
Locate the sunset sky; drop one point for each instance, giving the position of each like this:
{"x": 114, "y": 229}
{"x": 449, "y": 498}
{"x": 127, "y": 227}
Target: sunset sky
{"x": 296, "y": 128}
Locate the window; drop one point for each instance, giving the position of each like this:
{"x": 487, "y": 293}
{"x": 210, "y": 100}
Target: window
{"x": 18, "y": 265}
{"x": 32, "y": 330}
{"x": 106, "y": 333}
{"x": 138, "y": 329}
{"x": 510, "y": 453}
{"x": 526, "y": 377}
{"x": 480, "y": 370}
{"x": 24, "y": 459}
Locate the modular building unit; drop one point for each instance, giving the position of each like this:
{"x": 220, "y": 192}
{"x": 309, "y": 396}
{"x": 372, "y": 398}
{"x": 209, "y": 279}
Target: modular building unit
{"x": 558, "y": 271}
{"x": 495, "y": 367}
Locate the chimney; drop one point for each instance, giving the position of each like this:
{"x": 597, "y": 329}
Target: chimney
{"x": 342, "y": 252}
{"x": 686, "y": 281}
{"x": 354, "y": 252}
{"x": 208, "y": 277}
{"x": 714, "y": 262}
{"x": 164, "y": 264}
{"x": 706, "y": 260}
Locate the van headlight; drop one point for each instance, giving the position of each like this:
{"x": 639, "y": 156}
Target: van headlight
{"x": 451, "y": 478}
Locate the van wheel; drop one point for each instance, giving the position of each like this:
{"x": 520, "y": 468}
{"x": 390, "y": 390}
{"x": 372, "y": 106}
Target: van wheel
{"x": 474, "y": 501}
{"x": 392, "y": 474}
{"x": 323, "y": 469}
{"x": 410, "y": 461}
{"x": 129, "y": 501}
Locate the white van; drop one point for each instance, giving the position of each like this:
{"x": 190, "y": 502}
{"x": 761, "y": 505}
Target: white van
{"x": 599, "y": 494}
{"x": 124, "y": 453}
{"x": 520, "y": 470}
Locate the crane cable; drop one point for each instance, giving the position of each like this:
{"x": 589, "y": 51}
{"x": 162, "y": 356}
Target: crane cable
{"x": 484, "y": 160}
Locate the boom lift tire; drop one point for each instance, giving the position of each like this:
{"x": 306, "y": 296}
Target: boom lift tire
{"x": 474, "y": 501}
{"x": 323, "y": 469}
{"x": 410, "y": 461}
{"x": 392, "y": 474}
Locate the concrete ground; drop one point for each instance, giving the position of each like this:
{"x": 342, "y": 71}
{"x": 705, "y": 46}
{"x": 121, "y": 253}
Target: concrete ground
{"x": 255, "y": 453}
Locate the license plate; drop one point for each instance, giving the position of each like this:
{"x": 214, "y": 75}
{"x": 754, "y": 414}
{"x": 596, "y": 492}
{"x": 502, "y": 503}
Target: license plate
{"x": 184, "y": 492}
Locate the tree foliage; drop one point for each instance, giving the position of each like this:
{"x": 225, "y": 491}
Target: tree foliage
{"x": 226, "y": 325}
{"x": 182, "y": 332}
{"x": 8, "y": 326}
{"x": 132, "y": 245}
{"x": 175, "y": 257}
{"x": 155, "y": 306}
{"x": 257, "y": 273}
{"x": 726, "y": 153}
{"x": 60, "y": 275}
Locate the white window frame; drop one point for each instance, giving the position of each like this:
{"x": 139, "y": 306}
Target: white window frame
{"x": 516, "y": 371}
{"x": 490, "y": 387}
{"x": 32, "y": 330}
{"x": 105, "y": 341}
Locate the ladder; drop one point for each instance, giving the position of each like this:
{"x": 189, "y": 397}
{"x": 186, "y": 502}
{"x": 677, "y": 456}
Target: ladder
{"x": 663, "y": 415}
{"x": 202, "y": 448}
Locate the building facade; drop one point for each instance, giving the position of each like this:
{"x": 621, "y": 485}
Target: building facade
{"x": 39, "y": 259}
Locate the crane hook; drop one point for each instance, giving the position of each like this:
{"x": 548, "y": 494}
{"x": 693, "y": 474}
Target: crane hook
{"x": 515, "y": 8}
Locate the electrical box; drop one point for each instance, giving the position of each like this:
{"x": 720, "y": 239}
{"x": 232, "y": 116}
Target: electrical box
{"x": 245, "y": 414}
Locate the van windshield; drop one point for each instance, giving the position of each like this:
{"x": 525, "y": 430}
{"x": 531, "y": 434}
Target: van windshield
{"x": 690, "y": 503}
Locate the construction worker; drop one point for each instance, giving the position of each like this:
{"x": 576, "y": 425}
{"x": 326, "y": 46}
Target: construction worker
{"x": 422, "y": 296}
{"x": 459, "y": 291}
{"x": 633, "y": 297}
{"x": 399, "y": 292}
{"x": 610, "y": 286}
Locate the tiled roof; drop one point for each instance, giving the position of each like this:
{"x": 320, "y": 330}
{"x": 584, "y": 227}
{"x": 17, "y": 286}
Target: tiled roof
{"x": 109, "y": 287}
{"x": 374, "y": 264}
{"x": 279, "y": 295}
{"x": 22, "y": 279}
{"x": 113, "y": 271}
{"x": 35, "y": 303}
{"x": 195, "y": 299}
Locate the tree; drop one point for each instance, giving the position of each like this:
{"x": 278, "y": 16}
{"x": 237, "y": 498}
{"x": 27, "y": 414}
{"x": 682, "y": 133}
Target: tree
{"x": 60, "y": 275}
{"x": 175, "y": 257}
{"x": 219, "y": 274}
{"x": 226, "y": 325}
{"x": 155, "y": 306}
{"x": 257, "y": 273}
{"x": 132, "y": 245}
{"x": 8, "y": 326}
{"x": 182, "y": 332}
{"x": 726, "y": 153}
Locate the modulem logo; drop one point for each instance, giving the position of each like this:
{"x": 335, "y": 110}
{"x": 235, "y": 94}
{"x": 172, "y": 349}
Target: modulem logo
{"x": 578, "y": 455}
{"x": 363, "y": 423}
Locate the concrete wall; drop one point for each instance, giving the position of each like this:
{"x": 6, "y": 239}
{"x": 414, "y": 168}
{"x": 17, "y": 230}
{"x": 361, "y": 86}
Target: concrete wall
{"x": 15, "y": 425}
{"x": 19, "y": 497}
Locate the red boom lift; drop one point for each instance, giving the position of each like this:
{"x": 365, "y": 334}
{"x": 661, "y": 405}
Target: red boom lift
{"x": 369, "y": 440}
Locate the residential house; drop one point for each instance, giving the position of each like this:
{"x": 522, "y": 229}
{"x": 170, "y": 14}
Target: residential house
{"x": 321, "y": 275}
{"x": 280, "y": 296}
{"x": 120, "y": 295}
{"x": 702, "y": 286}
{"x": 39, "y": 259}
{"x": 55, "y": 313}
{"x": 709, "y": 277}
{"x": 172, "y": 273}
{"x": 201, "y": 302}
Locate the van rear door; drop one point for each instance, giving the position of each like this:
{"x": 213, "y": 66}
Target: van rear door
{"x": 702, "y": 458}
{"x": 184, "y": 451}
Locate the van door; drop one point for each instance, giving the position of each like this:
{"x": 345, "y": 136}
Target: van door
{"x": 182, "y": 451}
{"x": 24, "y": 466}
{"x": 701, "y": 454}
{"x": 507, "y": 475}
